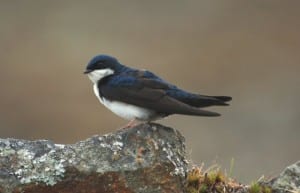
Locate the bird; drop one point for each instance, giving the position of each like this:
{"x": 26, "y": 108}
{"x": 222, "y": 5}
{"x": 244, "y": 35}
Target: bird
{"x": 141, "y": 96}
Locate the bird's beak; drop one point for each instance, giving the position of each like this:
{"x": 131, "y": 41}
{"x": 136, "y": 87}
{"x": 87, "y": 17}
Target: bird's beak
{"x": 87, "y": 71}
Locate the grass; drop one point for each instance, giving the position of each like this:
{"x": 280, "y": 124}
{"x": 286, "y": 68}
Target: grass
{"x": 213, "y": 180}
{"x": 255, "y": 187}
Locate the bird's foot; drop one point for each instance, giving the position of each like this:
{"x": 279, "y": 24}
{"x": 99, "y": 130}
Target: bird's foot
{"x": 131, "y": 124}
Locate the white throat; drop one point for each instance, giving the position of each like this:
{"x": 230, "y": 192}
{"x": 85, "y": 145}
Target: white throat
{"x": 97, "y": 75}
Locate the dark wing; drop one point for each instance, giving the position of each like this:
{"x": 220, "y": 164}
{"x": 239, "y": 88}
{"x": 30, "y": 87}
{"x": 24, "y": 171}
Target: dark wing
{"x": 191, "y": 99}
{"x": 197, "y": 100}
{"x": 148, "y": 92}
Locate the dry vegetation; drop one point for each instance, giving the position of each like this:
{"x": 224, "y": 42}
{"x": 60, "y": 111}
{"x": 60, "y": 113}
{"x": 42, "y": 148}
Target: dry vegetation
{"x": 213, "y": 180}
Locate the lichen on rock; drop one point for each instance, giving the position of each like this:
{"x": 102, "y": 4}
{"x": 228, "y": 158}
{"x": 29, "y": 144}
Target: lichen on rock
{"x": 146, "y": 158}
{"x": 288, "y": 181}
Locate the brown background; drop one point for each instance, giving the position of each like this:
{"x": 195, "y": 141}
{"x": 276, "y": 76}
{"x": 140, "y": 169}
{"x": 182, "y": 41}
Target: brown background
{"x": 247, "y": 49}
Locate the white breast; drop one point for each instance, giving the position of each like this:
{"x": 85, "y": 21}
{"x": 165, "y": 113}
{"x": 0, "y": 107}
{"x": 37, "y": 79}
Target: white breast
{"x": 126, "y": 111}
{"x": 97, "y": 75}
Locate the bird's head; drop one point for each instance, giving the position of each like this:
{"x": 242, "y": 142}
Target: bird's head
{"x": 101, "y": 66}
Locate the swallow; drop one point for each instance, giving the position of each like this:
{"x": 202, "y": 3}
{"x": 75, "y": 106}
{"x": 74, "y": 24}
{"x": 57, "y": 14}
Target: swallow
{"x": 140, "y": 95}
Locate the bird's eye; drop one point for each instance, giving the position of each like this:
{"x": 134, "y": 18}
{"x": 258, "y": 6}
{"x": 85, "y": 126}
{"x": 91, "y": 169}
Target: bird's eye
{"x": 100, "y": 64}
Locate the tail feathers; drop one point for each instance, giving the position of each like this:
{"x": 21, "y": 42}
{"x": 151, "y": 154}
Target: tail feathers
{"x": 205, "y": 113}
{"x": 220, "y": 100}
{"x": 200, "y": 101}
{"x": 223, "y": 98}
{"x": 206, "y": 101}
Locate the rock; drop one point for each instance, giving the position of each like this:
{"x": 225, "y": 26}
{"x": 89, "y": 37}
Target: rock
{"x": 288, "y": 181}
{"x": 148, "y": 158}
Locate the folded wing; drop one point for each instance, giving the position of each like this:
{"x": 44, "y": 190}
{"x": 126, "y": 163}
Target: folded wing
{"x": 149, "y": 93}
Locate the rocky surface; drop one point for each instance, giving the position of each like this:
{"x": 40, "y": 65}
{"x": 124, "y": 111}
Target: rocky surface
{"x": 149, "y": 158}
{"x": 288, "y": 181}
{"x": 146, "y": 158}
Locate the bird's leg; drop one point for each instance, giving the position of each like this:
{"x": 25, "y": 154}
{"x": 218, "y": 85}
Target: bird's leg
{"x": 131, "y": 123}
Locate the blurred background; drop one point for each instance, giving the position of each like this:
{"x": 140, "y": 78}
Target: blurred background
{"x": 246, "y": 49}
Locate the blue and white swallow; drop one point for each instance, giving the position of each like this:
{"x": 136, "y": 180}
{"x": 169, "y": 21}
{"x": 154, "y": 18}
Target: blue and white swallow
{"x": 140, "y": 95}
